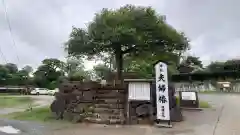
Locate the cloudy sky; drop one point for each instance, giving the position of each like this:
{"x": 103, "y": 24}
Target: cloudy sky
{"x": 40, "y": 27}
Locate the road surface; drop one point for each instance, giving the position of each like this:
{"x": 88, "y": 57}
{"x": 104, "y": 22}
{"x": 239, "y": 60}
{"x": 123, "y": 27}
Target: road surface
{"x": 229, "y": 120}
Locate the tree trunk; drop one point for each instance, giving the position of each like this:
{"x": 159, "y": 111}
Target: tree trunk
{"x": 119, "y": 63}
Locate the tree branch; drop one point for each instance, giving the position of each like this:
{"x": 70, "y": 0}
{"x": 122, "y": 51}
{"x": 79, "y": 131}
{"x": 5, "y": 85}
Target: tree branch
{"x": 133, "y": 48}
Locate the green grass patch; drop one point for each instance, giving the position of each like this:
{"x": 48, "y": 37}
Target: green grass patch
{"x": 41, "y": 114}
{"x": 36, "y": 114}
{"x": 209, "y": 92}
{"x": 9, "y": 94}
{"x": 7, "y": 101}
{"x": 202, "y": 104}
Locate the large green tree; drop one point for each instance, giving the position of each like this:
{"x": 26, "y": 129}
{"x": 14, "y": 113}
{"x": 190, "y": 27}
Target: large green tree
{"x": 129, "y": 30}
{"x": 143, "y": 65}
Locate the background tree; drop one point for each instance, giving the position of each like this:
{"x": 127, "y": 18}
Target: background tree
{"x": 28, "y": 69}
{"x": 190, "y": 64}
{"x": 73, "y": 65}
{"x": 75, "y": 69}
{"x": 129, "y": 30}
{"x": 215, "y": 67}
{"x": 48, "y": 72}
{"x": 12, "y": 68}
{"x": 4, "y": 74}
{"x": 102, "y": 71}
{"x": 193, "y": 60}
{"x": 232, "y": 65}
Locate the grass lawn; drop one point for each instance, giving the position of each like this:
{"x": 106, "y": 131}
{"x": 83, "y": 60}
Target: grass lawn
{"x": 9, "y": 94}
{"x": 41, "y": 114}
{"x": 36, "y": 114}
{"x": 7, "y": 101}
{"x": 202, "y": 104}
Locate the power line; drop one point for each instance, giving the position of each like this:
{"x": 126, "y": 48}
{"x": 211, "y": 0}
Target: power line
{"x": 10, "y": 29}
{"x": 4, "y": 58}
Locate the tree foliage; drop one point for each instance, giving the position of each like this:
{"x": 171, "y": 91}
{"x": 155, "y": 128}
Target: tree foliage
{"x": 129, "y": 30}
{"x": 232, "y": 65}
{"x": 102, "y": 71}
{"x": 12, "y": 68}
{"x": 194, "y": 61}
{"x": 190, "y": 64}
{"x": 28, "y": 69}
{"x": 10, "y": 75}
{"x": 215, "y": 67}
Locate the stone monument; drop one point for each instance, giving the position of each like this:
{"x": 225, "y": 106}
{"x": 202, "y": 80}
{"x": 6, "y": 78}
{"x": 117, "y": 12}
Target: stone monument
{"x": 175, "y": 111}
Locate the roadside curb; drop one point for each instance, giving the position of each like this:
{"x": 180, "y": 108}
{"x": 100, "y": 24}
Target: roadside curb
{"x": 218, "y": 119}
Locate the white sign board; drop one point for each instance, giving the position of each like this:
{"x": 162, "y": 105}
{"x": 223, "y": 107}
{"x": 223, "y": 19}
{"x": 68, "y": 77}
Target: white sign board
{"x": 162, "y": 91}
{"x": 139, "y": 91}
{"x": 189, "y": 96}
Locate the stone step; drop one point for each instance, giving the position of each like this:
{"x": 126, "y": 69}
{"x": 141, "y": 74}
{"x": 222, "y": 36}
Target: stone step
{"x": 110, "y": 95}
{"x": 108, "y": 111}
{"x": 110, "y": 92}
{"x": 103, "y": 121}
{"x": 110, "y": 106}
{"x": 109, "y": 101}
{"x": 107, "y": 116}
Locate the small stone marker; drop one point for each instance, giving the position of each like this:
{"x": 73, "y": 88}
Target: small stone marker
{"x": 188, "y": 99}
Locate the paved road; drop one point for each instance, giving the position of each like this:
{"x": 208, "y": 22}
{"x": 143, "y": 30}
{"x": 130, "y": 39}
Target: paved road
{"x": 229, "y": 121}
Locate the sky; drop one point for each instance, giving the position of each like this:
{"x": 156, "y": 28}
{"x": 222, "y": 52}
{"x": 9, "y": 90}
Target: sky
{"x": 40, "y": 27}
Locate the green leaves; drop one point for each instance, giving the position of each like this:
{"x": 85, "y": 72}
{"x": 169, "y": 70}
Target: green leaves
{"x": 128, "y": 26}
{"x": 130, "y": 30}
{"x": 12, "y": 68}
{"x": 102, "y": 71}
{"x": 229, "y": 65}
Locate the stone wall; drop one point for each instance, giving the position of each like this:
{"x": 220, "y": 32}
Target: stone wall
{"x": 92, "y": 102}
